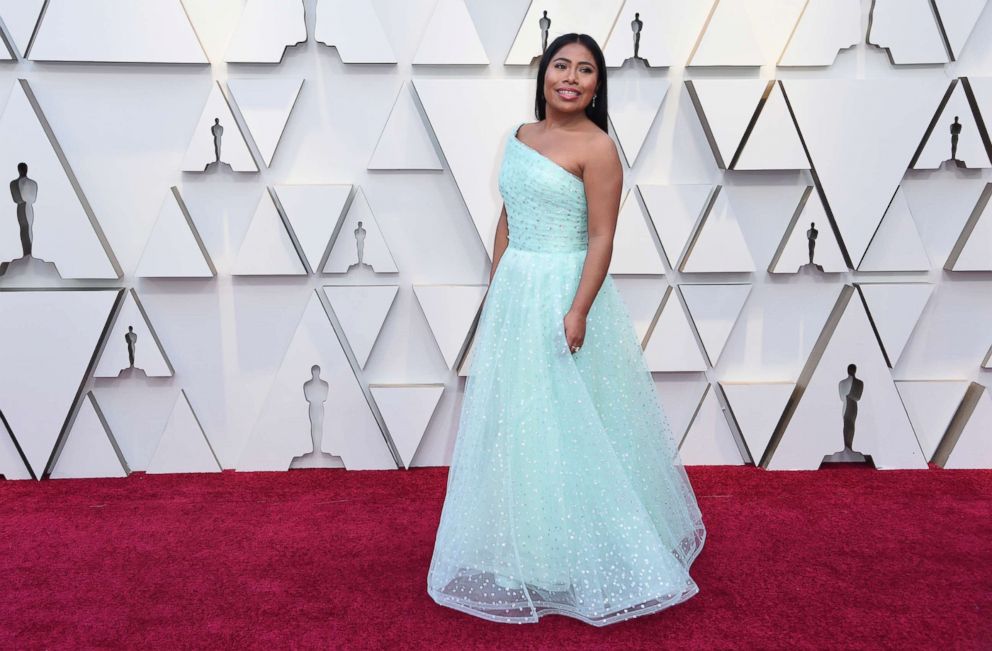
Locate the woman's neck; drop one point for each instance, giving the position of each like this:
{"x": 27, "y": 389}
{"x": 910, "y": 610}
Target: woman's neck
{"x": 555, "y": 120}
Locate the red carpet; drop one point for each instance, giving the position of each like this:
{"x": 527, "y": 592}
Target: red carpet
{"x": 844, "y": 558}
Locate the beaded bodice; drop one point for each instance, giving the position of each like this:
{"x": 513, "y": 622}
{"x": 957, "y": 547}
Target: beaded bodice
{"x": 545, "y": 203}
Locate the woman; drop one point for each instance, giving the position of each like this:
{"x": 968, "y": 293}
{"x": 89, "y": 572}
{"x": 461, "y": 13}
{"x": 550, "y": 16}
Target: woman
{"x": 565, "y": 492}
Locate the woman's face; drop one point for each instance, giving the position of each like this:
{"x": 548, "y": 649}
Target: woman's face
{"x": 570, "y": 79}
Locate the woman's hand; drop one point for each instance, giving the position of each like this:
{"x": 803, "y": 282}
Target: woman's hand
{"x": 575, "y": 330}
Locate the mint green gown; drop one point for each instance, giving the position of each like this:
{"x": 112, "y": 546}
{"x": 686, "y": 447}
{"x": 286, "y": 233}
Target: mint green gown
{"x": 565, "y": 492}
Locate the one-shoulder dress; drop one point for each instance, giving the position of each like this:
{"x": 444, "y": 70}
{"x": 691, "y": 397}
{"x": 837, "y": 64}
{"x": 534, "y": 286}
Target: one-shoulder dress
{"x": 565, "y": 491}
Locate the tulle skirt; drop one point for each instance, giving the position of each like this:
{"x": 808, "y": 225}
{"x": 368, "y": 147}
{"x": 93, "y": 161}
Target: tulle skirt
{"x": 565, "y": 493}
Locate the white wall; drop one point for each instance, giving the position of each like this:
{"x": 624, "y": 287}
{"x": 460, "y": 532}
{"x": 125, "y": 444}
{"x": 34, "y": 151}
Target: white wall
{"x": 125, "y": 129}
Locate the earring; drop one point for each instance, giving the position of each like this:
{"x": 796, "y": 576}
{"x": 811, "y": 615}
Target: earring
{"x": 594, "y": 101}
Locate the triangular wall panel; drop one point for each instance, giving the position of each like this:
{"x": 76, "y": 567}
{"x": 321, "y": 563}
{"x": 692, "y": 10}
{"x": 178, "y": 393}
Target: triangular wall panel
{"x": 65, "y": 232}
{"x": 773, "y": 143}
{"x": 111, "y": 31}
{"x": 938, "y": 146}
{"x": 348, "y": 428}
{"x": 895, "y": 309}
{"x": 825, "y": 27}
{"x": 405, "y": 143}
{"x": 131, "y": 327}
{"x": 931, "y": 405}
{"x": 747, "y": 32}
{"x": 967, "y": 443}
{"x": 640, "y": 298}
{"x": 217, "y": 126}
{"x": 793, "y": 254}
{"x": 89, "y": 449}
{"x": 756, "y": 408}
{"x": 267, "y": 249}
{"x": 174, "y": 248}
{"x": 361, "y": 310}
{"x": 941, "y": 205}
{"x": 465, "y": 364}
{"x": 20, "y": 18}
{"x": 813, "y": 426}
{"x": 184, "y": 446}
{"x": 12, "y": 466}
{"x": 450, "y": 311}
{"x": 730, "y": 38}
{"x": 676, "y": 211}
{"x": 360, "y": 241}
{"x": 681, "y": 395}
{"x": 634, "y": 105}
{"x": 354, "y": 29}
{"x": 265, "y": 30}
{"x": 714, "y": 310}
{"x": 137, "y": 412}
{"x": 719, "y": 244}
{"x": 407, "y": 410}
{"x": 47, "y": 341}
{"x": 981, "y": 89}
{"x": 973, "y": 249}
{"x": 857, "y": 176}
{"x": 725, "y": 108}
{"x": 634, "y": 249}
{"x": 710, "y": 441}
{"x": 450, "y": 37}
{"x": 958, "y": 18}
{"x": 313, "y": 211}
{"x": 908, "y": 30}
{"x": 896, "y": 245}
{"x": 671, "y": 344}
{"x": 266, "y": 105}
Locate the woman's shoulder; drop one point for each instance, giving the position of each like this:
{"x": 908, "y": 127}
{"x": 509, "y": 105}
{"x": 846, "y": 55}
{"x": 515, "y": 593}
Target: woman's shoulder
{"x": 598, "y": 140}
{"x": 599, "y": 150}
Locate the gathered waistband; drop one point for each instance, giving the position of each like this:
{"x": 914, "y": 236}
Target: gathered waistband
{"x": 548, "y": 250}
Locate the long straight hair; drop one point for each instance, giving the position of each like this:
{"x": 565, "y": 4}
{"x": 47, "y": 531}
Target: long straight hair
{"x": 595, "y": 113}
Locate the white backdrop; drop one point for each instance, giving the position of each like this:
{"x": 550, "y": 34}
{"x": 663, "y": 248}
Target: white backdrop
{"x": 412, "y": 149}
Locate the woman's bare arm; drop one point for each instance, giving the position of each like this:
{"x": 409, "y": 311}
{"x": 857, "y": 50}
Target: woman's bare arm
{"x": 500, "y": 242}
{"x": 603, "y": 177}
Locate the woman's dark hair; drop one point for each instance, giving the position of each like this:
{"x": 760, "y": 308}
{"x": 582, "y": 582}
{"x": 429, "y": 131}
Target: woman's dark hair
{"x": 595, "y": 113}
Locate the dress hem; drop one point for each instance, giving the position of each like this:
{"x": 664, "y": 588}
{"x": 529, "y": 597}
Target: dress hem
{"x": 541, "y": 608}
